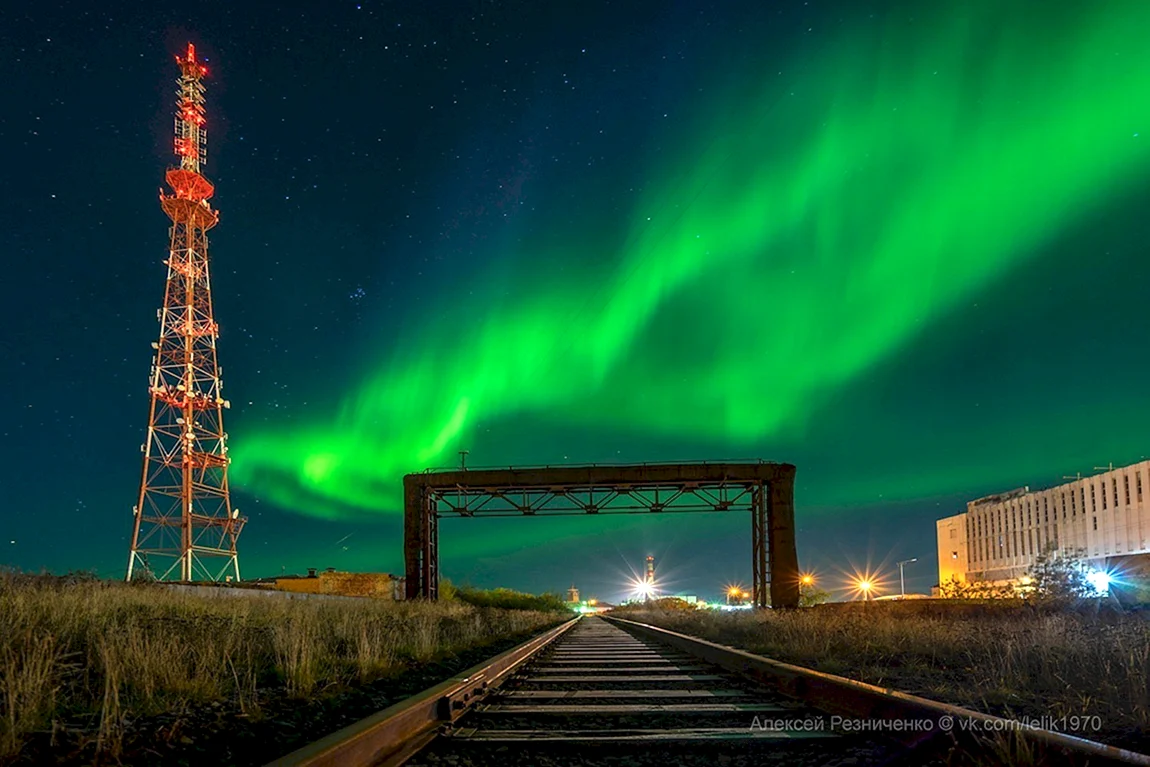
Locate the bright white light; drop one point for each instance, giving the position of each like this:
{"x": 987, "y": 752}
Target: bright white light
{"x": 1099, "y": 580}
{"x": 644, "y": 590}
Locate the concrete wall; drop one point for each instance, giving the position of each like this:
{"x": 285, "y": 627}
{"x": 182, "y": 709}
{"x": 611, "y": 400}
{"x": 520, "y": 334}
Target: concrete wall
{"x": 336, "y": 585}
{"x": 248, "y": 593}
{"x": 952, "y": 548}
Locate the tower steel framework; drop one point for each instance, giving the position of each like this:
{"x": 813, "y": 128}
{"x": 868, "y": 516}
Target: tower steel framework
{"x": 765, "y": 489}
{"x": 185, "y": 527}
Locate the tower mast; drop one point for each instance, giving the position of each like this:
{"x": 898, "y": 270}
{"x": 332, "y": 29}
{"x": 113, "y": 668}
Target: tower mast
{"x": 185, "y": 527}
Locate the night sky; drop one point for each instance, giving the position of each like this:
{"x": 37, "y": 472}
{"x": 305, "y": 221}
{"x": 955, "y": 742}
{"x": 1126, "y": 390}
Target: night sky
{"x": 902, "y": 247}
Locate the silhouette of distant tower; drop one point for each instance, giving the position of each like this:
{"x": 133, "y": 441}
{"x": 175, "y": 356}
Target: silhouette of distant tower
{"x": 650, "y": 569}
{"x": 185, "y": 528}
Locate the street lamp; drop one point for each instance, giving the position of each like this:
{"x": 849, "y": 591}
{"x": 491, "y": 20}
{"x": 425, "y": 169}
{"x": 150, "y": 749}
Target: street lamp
{"x": 807, "y": 579}
{"x": 736, "y": 593}
{"x": 865, "y": 587}
{"x": 901, "y": 580}
{"x": 644, "y": 590}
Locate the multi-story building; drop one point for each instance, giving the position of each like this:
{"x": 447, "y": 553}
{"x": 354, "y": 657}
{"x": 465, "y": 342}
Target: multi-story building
{"x": 999, "y": 537}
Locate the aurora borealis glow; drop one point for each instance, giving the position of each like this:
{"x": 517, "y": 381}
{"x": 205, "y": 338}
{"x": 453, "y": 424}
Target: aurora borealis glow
{"x": 802, "y": 232}
{"x": 900, "y": 245}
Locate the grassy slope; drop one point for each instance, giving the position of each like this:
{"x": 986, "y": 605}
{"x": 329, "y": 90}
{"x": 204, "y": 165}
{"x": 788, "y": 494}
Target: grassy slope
{"x": 95, "y": 656}
{"x": 1006, "y": 660}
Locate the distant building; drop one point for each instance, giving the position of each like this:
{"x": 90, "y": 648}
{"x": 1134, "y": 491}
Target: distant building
{"x": 592, "y": 606}
{"x": 572, "y": 594}
{"x": 336, "y": 583}
{"x": 1000, "y": 537}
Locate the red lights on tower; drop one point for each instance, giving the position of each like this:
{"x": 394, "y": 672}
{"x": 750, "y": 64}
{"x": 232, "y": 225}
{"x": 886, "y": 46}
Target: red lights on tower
{"x": 185, "y": 527}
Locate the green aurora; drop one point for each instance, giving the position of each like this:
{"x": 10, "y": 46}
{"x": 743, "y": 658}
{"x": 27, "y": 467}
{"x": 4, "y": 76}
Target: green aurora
{"x": 815, "y": 220}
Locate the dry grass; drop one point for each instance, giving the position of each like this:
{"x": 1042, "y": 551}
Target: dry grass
{"x": 96, "y": 655}
{"x": 1007, "y": 660}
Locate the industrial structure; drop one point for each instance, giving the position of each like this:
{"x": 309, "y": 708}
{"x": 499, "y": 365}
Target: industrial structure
{"x": 185, "y": 527}
{"x": 765, "y": 489}
{"x": 649, "y": 575}
{"x": 999, "y": 538}
{"x": 332, "y": 582}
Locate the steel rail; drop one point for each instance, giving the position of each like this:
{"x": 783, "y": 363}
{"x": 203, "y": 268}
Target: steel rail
{"x": 391, "y": 736}
{"x": 839, "y": 695}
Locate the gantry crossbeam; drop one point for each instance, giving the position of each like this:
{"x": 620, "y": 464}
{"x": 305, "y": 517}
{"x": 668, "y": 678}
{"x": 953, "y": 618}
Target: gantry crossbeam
{"x": 764, "y": 489}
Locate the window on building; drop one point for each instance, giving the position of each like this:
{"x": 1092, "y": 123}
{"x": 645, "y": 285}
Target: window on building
{"x": 1114, "y": 487}
{"x": 1093, "y": 499}
{"x": 1126, "y": 488}
{"x": 1138, "y": 482}
{"x": 1063, "y": 505}
{"x": 1102, "y": 489}
{"x": 1095, "y": 523}
{"x": 1074, "y": 504}
{"x": 954, "y": 555}
{"x": 1084, "y": 498}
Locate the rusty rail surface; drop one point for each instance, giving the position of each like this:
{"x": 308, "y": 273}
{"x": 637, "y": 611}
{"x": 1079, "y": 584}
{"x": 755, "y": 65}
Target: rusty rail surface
{"x": 839, "y": 695}
{"x": 393, "y": 735}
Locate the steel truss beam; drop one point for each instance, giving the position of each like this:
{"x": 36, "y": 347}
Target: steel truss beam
{"x": 764, "y": 489}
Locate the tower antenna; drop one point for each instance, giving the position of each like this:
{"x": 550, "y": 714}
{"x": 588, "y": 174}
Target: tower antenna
{"x": 184, "y": 515}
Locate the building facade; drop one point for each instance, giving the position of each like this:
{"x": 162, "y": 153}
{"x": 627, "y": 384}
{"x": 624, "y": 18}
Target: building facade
{"x": 1000, "y": 537}
{"x": 335, "y": 583}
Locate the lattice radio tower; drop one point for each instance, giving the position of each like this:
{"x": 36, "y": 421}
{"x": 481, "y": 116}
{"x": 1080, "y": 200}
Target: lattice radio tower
{"x": 185, "y": 526}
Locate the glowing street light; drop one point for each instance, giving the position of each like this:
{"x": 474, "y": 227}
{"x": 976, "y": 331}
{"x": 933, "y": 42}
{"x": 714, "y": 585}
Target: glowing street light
{"x": 644, "y": 589}
{"x": 865, "y": 587}
{"x": 807, "y": 579}
{"x": 736, "y": 593}
{"x": 1099, "y": 580}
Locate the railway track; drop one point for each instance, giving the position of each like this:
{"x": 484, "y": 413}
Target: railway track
{"x": 598, "y": 691}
